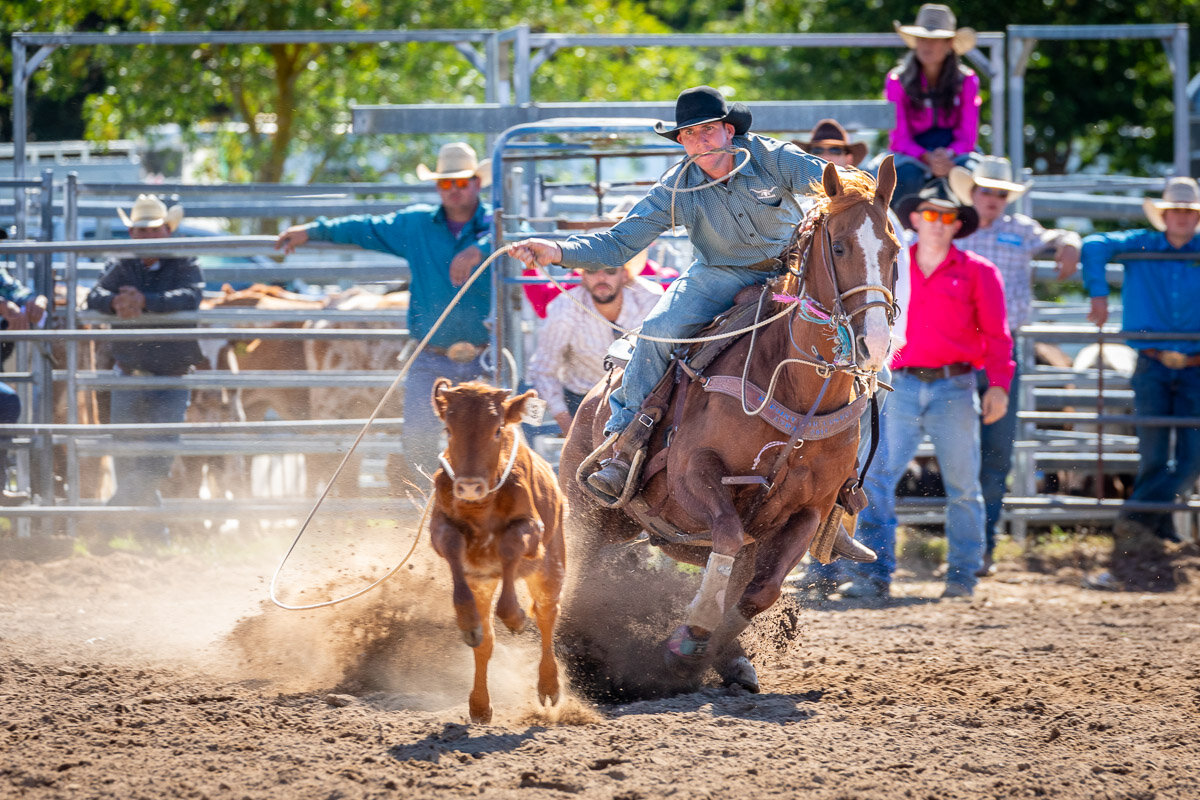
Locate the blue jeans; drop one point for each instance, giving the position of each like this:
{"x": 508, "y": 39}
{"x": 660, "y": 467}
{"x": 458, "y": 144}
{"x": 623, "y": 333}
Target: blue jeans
{"x": 138, "y": 477}
{"x": 10, "y": 412}
{"x": 912, "y": 174}
{"x": 422, "y": 438}
{"x": 1159, "y": 391}
{"x": 688, "y": 304}
{"x": 948, "y": 411}
{"x": 996, "y": 450}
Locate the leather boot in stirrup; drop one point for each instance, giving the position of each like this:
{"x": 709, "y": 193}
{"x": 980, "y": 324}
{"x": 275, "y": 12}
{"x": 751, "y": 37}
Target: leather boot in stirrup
{"x": 612, "y": 476}
{"x": 845, "y": 546}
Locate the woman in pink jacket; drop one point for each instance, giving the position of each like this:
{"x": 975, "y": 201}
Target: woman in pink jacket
{"x": 936, "y": 98}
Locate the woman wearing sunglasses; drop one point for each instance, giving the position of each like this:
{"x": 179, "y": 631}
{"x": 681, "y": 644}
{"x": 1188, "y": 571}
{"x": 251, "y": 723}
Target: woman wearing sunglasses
{"x": 956, "y": 325}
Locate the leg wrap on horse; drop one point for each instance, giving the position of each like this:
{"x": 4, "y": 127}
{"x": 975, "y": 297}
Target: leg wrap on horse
{"x": 707, "y": 608}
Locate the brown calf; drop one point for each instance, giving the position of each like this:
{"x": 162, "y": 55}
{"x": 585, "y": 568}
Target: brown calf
{"x": 497, "y": 516}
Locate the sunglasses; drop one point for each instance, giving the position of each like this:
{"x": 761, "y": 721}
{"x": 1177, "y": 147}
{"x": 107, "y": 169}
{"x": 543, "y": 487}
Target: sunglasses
{"x": 833, "y": 151}
{"x": 933, "y": 215}
{"x": 1001, "y": 193}
{"x": 454, "y": 183}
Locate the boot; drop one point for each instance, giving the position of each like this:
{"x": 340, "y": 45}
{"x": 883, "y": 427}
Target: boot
{"x": 612, "y": 477}
{"x": 845, "y": 546}
{"x": 10, "y": 498}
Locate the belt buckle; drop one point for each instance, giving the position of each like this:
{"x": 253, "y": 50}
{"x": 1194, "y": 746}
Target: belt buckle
{"x": 1173, "y": 359}
{"x": 462, "y": 352}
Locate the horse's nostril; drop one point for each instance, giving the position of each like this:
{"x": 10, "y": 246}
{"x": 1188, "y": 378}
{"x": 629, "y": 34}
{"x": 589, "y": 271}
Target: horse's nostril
{"x": 863, "y": 349}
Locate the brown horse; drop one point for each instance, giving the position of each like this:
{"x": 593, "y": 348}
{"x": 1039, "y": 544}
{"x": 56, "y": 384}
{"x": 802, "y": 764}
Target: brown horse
{"x": 734, "y": 492}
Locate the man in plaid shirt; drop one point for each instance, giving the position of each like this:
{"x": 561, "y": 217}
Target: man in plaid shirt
{"x": 1010, "y": 241}
{"x": 571, "y": 345}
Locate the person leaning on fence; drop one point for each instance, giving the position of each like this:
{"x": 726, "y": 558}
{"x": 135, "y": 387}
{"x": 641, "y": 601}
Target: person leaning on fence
{"x": 129, "y": 288}
{"x": 1010, "y": 241}
{"x": 20, "y": 309}
{"x": 1160, "y": 295}
{"x": 936, "y": 98}
{"x": 572, "y": 344}
{"x": 956, "y": 324}
{"x": 443, "y": 245}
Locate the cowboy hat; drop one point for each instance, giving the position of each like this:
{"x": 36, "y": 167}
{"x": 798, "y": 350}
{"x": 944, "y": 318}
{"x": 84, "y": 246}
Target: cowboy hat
{"x": 457, "y": 160}
{"x": 936, "y": 21}
{"x": 938, "y": 193}
{"x": 702, "y": 104}
{"x": 991, "y": 172}
{"x": 829, "y": 133}
{"x": 1180, "y": 193}
{"x": 150, "y": 212}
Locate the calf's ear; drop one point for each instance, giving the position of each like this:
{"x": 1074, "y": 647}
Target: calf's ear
{"x": 439, "y": 400}
{"x": 514, "y": 407}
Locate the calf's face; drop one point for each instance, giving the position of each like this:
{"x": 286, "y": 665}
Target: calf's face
{"x": 475, "y": 416}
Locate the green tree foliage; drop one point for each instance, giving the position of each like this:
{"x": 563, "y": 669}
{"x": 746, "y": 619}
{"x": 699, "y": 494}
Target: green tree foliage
{"x": 1086, "y": 101}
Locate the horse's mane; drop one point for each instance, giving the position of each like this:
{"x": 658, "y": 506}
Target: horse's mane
{"x": 857, "y": 187}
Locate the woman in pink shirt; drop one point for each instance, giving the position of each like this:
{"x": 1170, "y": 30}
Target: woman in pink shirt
{"x": 936, "y": 98}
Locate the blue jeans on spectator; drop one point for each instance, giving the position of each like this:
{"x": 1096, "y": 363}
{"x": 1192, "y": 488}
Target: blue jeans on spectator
{"x": 996, "y": 451}
{"x": 948, "y": 411}
{"x": 1159, "y": 391}
{"x": 422, "y": 435}
{"x": 689, "y": 303}
{"x": 138, "y": 477}
{"x": 10, "y": 412}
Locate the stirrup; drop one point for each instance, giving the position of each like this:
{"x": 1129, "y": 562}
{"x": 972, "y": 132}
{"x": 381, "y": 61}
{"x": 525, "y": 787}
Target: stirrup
{"x": 635, "y": 471}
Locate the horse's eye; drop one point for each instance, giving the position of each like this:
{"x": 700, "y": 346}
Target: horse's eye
{"x": 499, "y": 430}
{"x": 839, "y": 249}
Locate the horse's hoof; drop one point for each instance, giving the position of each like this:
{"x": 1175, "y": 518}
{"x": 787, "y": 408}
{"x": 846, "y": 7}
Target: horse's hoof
{"x": 685, "y": 653}
{"x": 473, "y": 637}
{"x": 740, "y": 672}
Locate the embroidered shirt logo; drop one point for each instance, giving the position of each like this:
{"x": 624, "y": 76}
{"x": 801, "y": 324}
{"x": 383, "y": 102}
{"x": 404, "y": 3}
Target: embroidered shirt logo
{"x": 770, "y": 193}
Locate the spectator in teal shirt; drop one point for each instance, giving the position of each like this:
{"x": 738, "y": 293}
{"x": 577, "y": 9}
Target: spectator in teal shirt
{"x": 1159, "y": 295}
{"x": 443, "y": 245}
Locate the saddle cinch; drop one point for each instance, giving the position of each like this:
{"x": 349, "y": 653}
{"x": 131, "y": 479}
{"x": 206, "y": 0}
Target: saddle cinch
{"x": 687, "y": 369}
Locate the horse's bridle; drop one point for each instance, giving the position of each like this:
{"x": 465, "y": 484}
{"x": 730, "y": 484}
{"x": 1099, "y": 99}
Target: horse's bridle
{"x": 799, "y": 251}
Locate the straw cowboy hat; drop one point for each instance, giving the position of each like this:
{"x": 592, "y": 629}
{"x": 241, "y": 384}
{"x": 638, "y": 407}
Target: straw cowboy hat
{"x": 936, "y": 21}
{"x": 150, "y": 212}
{"x": 702, "y": 104}
{"x": 938, "y": 193}
{"x": 457, "y": 160}
{"x": 991, "y": 172}
{"x": 1180, "y": 193}
{"x": 829, "y": 133}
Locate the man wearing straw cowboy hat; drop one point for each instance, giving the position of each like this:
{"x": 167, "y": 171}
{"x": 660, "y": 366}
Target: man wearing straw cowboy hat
{"x": 443, "y": 245}
{"x": 128, "y": 288}
{"x": 1160, "y": 295}
{"x": 936, "y": 98}
{"x": 1010, "y": 241}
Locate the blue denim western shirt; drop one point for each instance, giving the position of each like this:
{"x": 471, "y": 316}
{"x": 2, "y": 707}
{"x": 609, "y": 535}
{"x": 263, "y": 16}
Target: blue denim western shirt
{"x": 420, "y": 234}
{"x": 1158, "y": 295}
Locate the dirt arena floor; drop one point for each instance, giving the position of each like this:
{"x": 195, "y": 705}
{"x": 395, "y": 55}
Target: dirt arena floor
{"x": 170, "y": 675}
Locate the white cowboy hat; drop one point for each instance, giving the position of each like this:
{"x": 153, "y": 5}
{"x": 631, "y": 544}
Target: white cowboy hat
{"x": 150, "y": 212}
{"x": 1180, "y": 193}
{"x": 457, "y": 160}
{"x": 936, "y": 21}
{"x": 991, "y": 172}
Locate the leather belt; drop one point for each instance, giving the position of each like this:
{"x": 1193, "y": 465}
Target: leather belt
{"x": 461, "y": 352}
{"x": 145, "y": 373}
{"x": 766, "y": 265}
{"x": 931, "y": 374}
{"x": 1173, "y": 359}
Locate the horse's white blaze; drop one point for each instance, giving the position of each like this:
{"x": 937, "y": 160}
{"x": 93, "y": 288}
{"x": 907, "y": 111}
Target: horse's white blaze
{"x": 875, "y": 329}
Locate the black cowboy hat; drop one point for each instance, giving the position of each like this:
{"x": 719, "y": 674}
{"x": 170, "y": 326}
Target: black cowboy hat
{"x": 938, "y": 193}
{"x": 830, "y": 133}
{"x": 702, "y": 104}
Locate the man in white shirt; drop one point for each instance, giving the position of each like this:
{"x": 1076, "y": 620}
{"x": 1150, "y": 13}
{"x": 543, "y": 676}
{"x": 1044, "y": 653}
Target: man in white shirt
{"x": 571, "y": 345}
